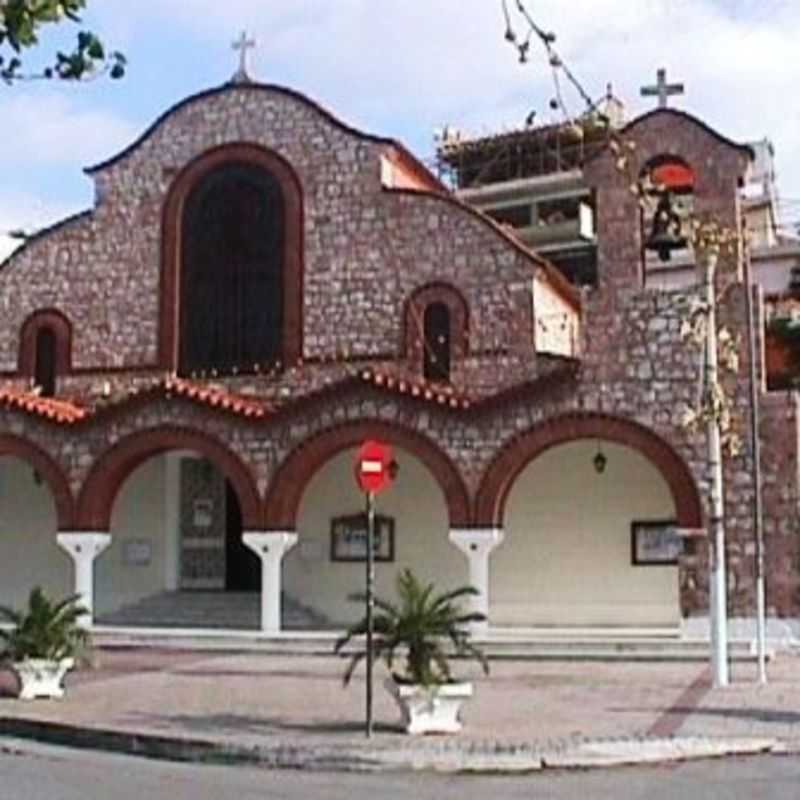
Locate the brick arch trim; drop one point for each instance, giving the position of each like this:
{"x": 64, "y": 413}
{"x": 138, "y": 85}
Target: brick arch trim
{"x": 109, "y": 472}
{"x": 293, "y": 476}
{"x": 506, "y": 467}
{"x": 62, "y": 330}
{"x": 293, "y": 257}
{"x": 50, "y": 471}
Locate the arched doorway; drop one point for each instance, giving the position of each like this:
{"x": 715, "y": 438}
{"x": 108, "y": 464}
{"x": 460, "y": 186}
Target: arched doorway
{"x": 176, "y": 557}
{"x": 176, "y": 502}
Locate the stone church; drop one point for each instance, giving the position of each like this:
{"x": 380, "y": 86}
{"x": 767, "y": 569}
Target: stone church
{"x": 187, "y": 368}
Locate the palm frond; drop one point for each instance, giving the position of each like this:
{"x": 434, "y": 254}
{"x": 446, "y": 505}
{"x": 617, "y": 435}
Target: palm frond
{"x": 46, "y": 629}
{"x": 418, "y": 624}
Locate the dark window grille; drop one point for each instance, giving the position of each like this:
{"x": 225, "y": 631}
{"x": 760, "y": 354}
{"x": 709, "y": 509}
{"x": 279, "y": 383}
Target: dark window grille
{"x": 436, "y": 324}
{"x": 44, "y": 373}
{"x": 233, "y": 239}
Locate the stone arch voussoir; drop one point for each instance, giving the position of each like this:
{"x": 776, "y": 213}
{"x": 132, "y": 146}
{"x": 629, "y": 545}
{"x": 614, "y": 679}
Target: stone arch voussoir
{"x": 111, "y": 469}
{"x": 505, "y": 468}
{"x": 294, "y": 474}
{"x": 49, "y": 470}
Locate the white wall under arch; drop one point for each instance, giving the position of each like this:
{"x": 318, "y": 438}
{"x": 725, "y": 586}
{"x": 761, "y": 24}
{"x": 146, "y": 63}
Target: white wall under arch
{"x": 138, "y": 514}
{"x": 566, "y": 558}
{"x": 421, "y": 537}
{"x": 29, "y": 555}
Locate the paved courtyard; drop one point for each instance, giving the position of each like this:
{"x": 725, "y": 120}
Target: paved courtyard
{"x": 251, "y": 700}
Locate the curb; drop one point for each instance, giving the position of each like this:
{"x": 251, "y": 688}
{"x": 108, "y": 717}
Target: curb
{"x": 447, "y": 756}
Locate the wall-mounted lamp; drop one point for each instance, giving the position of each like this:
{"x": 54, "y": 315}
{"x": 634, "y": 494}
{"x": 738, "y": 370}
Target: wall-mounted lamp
{"x": 600, "y": 461}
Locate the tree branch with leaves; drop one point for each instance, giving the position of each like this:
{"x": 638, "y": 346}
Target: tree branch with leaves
{"x": 21, "y": 24}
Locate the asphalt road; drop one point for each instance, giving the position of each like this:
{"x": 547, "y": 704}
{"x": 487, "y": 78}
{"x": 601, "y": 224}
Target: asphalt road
{"x": 32, "y": 772}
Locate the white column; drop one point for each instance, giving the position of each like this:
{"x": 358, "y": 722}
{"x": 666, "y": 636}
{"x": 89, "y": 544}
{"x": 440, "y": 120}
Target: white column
{"x": 477, "y": 544}
{"x": 83, "y": 548}
{"x": 270, "y": 547}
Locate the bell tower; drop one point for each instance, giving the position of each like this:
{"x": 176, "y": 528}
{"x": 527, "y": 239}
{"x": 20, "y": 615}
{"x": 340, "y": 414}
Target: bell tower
{"x": 687, "y": 170}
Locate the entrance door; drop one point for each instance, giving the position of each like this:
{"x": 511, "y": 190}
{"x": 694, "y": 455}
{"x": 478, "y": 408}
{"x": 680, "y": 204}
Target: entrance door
{"x": 242, "y": 566}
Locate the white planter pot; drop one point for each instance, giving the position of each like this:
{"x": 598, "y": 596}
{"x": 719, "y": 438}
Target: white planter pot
{"x": 41, "y": 677}
{"x": 433, "y": 709}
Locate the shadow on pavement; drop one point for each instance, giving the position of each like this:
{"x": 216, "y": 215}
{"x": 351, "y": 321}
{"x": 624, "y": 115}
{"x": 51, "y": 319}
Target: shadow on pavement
{"x": 262, "y": 726}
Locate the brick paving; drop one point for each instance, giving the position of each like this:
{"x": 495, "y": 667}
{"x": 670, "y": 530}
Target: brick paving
{"x": 251, "y": 700}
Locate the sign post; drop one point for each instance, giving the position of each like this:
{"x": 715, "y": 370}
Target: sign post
{"x": 375, "y": 471}
{"x": 370, "y": 602}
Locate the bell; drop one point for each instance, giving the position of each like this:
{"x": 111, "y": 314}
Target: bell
{"x": 665, "y": 235}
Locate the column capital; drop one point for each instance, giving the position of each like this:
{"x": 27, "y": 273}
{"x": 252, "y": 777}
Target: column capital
{"x": 270, "y": 544}
{"x": 83, "y": 545}
{"x": 477, "y": 540}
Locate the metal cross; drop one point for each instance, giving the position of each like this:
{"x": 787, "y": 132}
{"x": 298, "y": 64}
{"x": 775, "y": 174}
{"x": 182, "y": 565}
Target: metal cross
{"x": 242, "y": 45}
{"x": 662, "y": 90}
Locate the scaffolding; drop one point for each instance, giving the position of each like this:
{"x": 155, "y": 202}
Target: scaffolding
{"x": 467, "y": 163}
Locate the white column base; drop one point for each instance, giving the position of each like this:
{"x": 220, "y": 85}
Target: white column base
{"x": 83, "y": 548}
{"x": 477, "y": 544}
{"x": 270, "y": 547}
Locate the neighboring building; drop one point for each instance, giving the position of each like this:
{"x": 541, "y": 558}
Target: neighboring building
{"x": 260, "y": 287}
{"x": 532, "y": 180}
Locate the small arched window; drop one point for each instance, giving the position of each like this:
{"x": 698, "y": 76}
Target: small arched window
{"x": 44, "y": 369}
{"x": 436, "y": 356}
{"x": 436, "y": 332}
{"x": 45, "y": 349}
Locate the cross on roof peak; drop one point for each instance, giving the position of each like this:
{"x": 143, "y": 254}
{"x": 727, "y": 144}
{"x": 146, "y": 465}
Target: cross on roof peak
{"x": 242, "y": 45}
{"x": 662, "y": 89}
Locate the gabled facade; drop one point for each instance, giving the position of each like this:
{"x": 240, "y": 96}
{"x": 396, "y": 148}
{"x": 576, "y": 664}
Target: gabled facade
{"x": 188, "y": 367}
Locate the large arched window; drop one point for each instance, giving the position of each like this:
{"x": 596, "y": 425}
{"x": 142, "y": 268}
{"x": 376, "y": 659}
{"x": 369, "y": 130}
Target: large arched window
{"x": 233, "y": 208}
{"x": 232, "y": 307}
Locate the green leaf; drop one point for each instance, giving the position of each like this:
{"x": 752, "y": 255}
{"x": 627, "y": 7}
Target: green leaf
{"x": 419, "y": 624}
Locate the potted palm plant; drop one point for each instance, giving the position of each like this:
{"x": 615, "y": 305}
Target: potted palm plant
{"x": 42, "y": 643}
{"x": 429, "y": 628}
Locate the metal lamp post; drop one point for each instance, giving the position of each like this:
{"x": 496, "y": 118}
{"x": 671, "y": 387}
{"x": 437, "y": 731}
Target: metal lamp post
{"x": 708, "y": 258}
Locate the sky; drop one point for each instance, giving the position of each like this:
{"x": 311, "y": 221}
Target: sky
{"x": 399, "y": 68}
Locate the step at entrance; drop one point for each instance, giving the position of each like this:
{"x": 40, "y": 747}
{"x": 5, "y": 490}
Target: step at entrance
{"x": 223, "y": 610}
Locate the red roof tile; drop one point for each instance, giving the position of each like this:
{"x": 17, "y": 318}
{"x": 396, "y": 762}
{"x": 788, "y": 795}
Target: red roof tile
{"x": 401, "y": 383}
{"x": 61, "y": 411}
{"x": 216, "y": 397}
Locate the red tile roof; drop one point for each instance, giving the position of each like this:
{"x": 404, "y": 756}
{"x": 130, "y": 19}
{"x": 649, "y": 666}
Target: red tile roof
{"x": 216, "y": 397}
{"x": 60, "y": 411}
{"x": 398, "y": 382}
{"x": 393, "y": 379}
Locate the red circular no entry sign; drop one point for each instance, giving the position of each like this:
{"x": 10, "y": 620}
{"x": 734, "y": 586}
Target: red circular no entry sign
{"x": 375, "y": 466}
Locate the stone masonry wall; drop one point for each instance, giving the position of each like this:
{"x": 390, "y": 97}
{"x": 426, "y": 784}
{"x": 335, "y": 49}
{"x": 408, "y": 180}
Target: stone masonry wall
{"x": 366, "y": 248}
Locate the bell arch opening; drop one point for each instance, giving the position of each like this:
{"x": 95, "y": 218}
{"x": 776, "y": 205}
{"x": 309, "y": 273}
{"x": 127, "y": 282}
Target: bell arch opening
{"x": 668, "y": 204}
